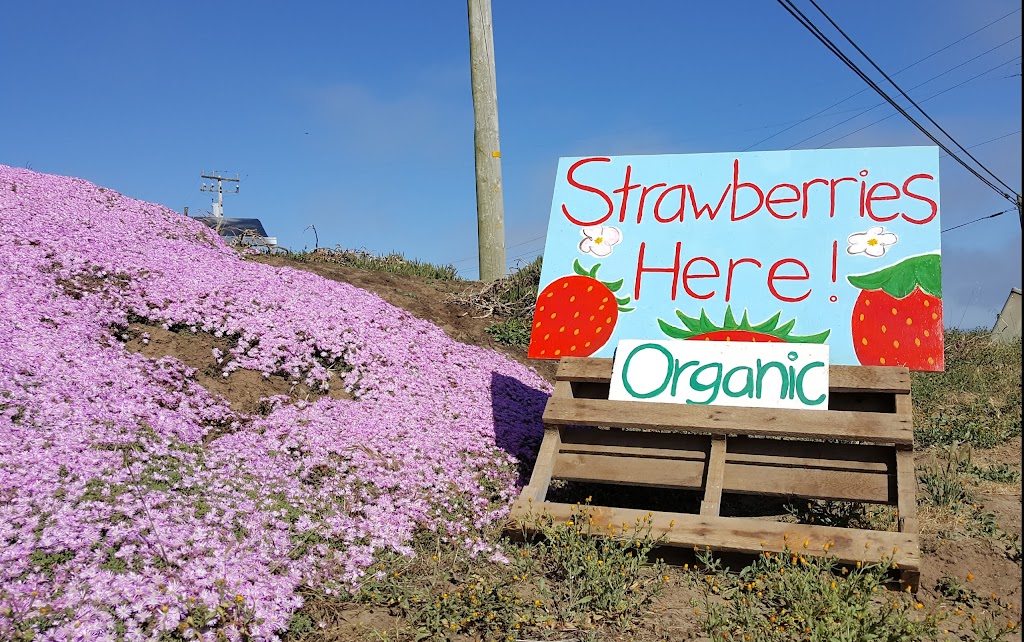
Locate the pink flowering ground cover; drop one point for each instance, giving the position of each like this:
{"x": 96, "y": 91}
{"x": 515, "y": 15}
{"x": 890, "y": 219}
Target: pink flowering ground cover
{"x": 136, "y": 505}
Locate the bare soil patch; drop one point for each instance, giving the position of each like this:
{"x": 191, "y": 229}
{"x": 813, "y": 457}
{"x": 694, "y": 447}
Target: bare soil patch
{"x": 246, "y": 391}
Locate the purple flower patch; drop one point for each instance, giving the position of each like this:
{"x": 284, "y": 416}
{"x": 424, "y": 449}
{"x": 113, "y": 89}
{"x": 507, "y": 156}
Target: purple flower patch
{"x": 132, "y": 500}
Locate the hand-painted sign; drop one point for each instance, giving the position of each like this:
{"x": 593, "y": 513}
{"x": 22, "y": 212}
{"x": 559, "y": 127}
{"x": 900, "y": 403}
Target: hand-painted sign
{"x": 837, "y": 246}
{"x": 719, "y": 373}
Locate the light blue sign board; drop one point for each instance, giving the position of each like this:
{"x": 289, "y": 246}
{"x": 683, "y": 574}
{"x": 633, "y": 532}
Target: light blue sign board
{"x": 761, "y": 246}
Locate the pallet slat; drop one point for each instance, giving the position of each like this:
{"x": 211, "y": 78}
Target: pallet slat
{"x": 636, "y": 471}
{"x": 715, "y": 478}
{"x": 906, "y": 502}
{"x": 634, "y": 443}
{"x": 773, "y": 481}
{"x": 741, "y": 478}
{"x": 745, "y": 535}
{"x": 804, "y": 454}
{"x": 721, "y": 420}
{"x": 544, "y": 466}
{"x": 769, "y": 452}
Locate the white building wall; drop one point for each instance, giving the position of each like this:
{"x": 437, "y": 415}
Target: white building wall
{"x": 1007, "y": 326}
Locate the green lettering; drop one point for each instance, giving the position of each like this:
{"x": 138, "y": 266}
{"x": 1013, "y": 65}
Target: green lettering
{"x": 800, "y": 384}
{"x": 762, "y": 370}
{"x": 668, "y": 371}
{"x": 679, "y": 371}
{"x": 702, "y": 387}
{"x": 792, "y": 373}
{"x": 748, "y": 385}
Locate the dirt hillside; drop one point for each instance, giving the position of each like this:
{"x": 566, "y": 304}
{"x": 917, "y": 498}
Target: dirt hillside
{"x": 949, "y": 550}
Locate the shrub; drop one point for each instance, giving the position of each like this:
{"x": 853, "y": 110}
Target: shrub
{"x": 977, "y": 400}
{"x": 510, "y": 332}
{"x": 393, "y": 262}
{"x": 787, "y": 596}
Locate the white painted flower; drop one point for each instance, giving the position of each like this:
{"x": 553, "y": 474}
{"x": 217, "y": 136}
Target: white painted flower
{"x": 599, "y": 239}
{"x": 873, "y": 243}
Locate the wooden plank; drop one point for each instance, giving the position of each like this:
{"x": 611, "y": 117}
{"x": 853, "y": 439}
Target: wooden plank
{"x": 626, "y": 452}
{"x": 563, "y": 389}
{"x": 810, "y": 454}
{"x": 906, "y": 481}
{"x": 841, "y": 378}
{"x": 635, "y": 443}
{"x": 737, "y": 478}
{"x": 712, "y": 502}
{"x": 635, "y": 471}
{"x": 906, "y": 489}
{"x": 540, "y": 479}
{"x": 724, "y": 420}
{"x": 868, "y": 379}
{"x": 584, "y": 369}
{"x": 747, "y": 535}
{"x": 749, "y": 450}
{"x": 904, "y": 405}
{"x": 811, "y": 483}
{"x": 742, "y": 473}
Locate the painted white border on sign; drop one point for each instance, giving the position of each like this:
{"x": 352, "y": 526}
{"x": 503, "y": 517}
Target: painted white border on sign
{"x": 721, "y": 373}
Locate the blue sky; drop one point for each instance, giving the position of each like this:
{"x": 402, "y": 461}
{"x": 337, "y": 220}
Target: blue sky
{"x": 357, "y": 118}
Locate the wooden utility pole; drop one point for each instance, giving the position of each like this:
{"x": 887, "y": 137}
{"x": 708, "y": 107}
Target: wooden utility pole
{"x": 490, "y": 209}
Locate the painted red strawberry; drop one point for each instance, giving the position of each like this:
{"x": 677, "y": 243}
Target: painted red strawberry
{"x": 897, "y": 319}
{"x": 575, "y": 315}
{"x": 767, "y": 332}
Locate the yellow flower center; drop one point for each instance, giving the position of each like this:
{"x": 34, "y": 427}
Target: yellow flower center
{"x": 599, "y": 240}
{"x": 872, "y": 242}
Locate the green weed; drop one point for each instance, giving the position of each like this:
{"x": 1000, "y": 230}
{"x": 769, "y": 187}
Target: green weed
{"x": 787, "y": 596}
{"x": 565, "y": 575}
{"x": 394, "y": 263}
{"x": 844, "y": 514}
{"x": 510, "y": 332}
{"x": 592, "y": 574}
{"x": 944, "y": 485}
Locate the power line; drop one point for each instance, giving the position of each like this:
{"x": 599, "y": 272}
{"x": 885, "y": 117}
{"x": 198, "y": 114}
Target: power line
{"x": 983, "y": 218}
{"x": 873, "y": 107}
{"x": 969, "y": 60}
{"x": 918, "y": 107}
{"x": 471, "y": 258}
{"x": 992, "y": 140}
{"x": 961, "y": 40}
{"x": 817, "y": 33}
{"x": 913, "y": 64}
{"x": 925, "y": 100}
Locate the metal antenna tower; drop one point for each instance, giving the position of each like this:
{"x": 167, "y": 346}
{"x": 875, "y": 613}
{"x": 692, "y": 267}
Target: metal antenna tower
{"x": 218, "y": 205}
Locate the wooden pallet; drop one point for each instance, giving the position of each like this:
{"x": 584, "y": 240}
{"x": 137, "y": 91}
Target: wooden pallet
{"x": 860, "y": 449}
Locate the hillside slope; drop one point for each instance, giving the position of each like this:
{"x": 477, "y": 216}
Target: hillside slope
{"x": 140, "y": 493}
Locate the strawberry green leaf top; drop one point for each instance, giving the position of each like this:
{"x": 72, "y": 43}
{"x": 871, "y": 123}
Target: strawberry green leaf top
{"x": 900, "y": 279}
{"x": 613, "y": 286}
{"x": 768, "y": 331}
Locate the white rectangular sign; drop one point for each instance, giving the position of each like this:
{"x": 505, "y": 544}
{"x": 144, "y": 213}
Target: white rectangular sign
{"x": 722, "y": 373}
